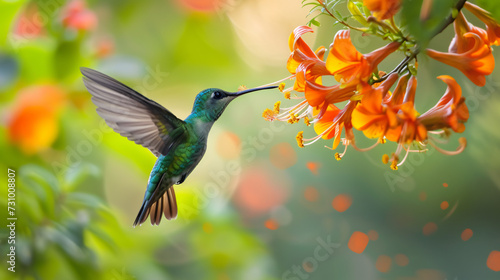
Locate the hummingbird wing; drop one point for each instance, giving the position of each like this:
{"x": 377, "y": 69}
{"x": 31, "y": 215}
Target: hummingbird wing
{"x": 133, "y": 115}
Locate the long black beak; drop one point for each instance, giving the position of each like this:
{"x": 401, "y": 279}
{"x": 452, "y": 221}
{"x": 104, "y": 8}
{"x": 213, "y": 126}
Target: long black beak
{"x": 249, "y": 90}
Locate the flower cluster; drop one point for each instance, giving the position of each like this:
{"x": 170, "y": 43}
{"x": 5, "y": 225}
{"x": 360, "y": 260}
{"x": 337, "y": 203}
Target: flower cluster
{"x": 380, "y": 104}
{"x": 33, "y": 120}
{"x": 75, "y": 15}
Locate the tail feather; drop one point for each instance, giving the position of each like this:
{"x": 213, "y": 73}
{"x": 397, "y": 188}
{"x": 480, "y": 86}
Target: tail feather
{"x": 166, "y": 205}
{"x": 156, "y": 211}
{"x": 143, "y": 218}
{"x": 142, "y": 215}
{"x": 170, "y": 209}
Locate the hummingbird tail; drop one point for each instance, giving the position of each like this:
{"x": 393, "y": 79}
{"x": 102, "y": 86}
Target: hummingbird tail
{"x": 165, "y": 205}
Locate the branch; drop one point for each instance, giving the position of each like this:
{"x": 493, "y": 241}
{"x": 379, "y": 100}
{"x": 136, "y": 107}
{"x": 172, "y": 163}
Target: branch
{"x": 450, "y": 19}
{"x": 447, "y": 21}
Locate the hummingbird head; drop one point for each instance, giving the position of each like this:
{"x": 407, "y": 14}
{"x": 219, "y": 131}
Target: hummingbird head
{"x": 210, "y": 103}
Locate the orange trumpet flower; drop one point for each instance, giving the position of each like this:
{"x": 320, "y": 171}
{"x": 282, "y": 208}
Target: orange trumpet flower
{"x": 317, "y": 94}
{"x": 475, "y": 61}
{"x": 460, "y": 44}
{"x": 492, "y": 26}
{"x": 350, "y": 66}
{"x": 303, "y": 62}
{"x": 450, "y": 111}
{"x": 330, "y": 125}
{"x": 372, "y": 116}
{"x": 33, "y": 122}
{"x": 383, "y": 9}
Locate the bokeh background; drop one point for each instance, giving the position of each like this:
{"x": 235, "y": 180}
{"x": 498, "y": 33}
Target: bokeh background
{"x": 257, "y": 206}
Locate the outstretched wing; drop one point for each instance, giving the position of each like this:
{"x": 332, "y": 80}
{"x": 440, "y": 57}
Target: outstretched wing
{"x": 133, "y": 115}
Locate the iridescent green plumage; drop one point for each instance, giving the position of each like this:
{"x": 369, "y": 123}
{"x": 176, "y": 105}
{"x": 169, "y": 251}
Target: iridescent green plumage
{"x": 179, "y": 145}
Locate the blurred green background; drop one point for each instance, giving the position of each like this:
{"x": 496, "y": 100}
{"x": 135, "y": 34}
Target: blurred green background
{"x": 257, "y": 206}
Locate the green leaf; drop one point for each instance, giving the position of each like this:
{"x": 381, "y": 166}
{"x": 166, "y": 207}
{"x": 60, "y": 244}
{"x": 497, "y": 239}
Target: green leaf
{"x": 65, "y": 241}
{"x": 314, "y": 22}
{"x": 77, "y": 174}
{"x": 29, "y": 207}
{"x": 41, "y": 175}
{"x": 84, "y": 199}
{"x": 42, "y": 183}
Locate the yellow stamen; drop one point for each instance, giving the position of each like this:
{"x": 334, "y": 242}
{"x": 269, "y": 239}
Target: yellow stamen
{"x": 394, "y": 165}
{"x": 269, "y": 115}
{"x": 277, "y": 107}
{"x": 385, "y": 159}
{"x": 281, "y": 87}
{"x": 383, "y": 140}
{"x": 337, "y": 156}
{"x": 300, "y": 139}
{"x": 293, "y": 118}
{"x": 306, "y": 121}
{"x": 356, "y": 97}
{"x": 287, "y": 95}
{"x": 395, "y": 160}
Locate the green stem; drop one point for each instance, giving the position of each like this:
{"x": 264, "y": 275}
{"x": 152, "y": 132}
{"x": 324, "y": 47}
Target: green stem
{"x": 447, "y": 21}
{"x": 341, "y": 21}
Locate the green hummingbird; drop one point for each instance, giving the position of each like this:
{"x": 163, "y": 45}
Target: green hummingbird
{"x": 179, "y": 145}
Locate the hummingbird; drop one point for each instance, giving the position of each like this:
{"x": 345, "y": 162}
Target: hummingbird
{"x": 179, "y": 145}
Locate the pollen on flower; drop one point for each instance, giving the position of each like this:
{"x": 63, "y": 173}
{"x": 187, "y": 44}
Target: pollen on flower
{"x": 394, "y": 165}
{"x": 277, "y": 107}
{"x": 381, "y": 102}
{"x": 385, "y": 158}
{"x": 300, "y": 139}
{"x": 269, "y": 115}
{"x": 293, "y": 118}
{"x": 306, "y": 121}
{"x": 281, "y": 87}
{"x": 395, "y": 161}
{"x": 356, "y": 97}
{"x": 337, "y": 156}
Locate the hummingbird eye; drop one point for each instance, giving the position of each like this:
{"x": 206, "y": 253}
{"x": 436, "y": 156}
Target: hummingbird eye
{"x": 217, "y": 95}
